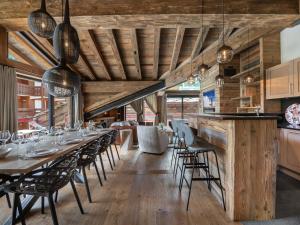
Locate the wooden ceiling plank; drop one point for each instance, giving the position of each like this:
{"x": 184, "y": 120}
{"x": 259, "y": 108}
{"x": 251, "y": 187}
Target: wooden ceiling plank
{"x": 156, "y": 47}
{"x": 111, "y": 37}
{"x": 135, "y": 51}
{"x": 82, "y": 58}
{"x": 177, "y": 46}
{"x": 226, "y": 33}
{"x": 22, "y": 55}
{"x": 97, "y": 52}
{"x": 199, "y": 42}
{"x": 24, "y": 68}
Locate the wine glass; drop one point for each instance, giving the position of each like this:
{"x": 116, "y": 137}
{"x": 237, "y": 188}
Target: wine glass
{"x": 4, "y": 137}
{"x": 17, "y": 139}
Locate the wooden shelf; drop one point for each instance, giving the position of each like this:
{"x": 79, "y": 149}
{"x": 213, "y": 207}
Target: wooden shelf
{"x": 255, "y": 83}
{"x": 245, "y": 72}
{"x": 239, "y": 98}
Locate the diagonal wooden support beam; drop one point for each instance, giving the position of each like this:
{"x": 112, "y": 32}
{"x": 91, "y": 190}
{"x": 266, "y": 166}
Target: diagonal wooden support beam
{"x": 111, "y": 37}
{"x": 135, "y": 50}
{"x": 83, "y": 60}
{"x": 156, "y": 46}
{"x": 177, "y": 46}
{"x": 97, "y": 52}
{"x": 199, "y": 42}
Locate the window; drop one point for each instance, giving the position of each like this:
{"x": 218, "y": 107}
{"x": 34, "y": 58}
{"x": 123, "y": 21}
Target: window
{"x": 33, "y": 106}
{"x": 178, "y": 106}
{"x": 130, "y": 113}
{"x": 149, "y": 116}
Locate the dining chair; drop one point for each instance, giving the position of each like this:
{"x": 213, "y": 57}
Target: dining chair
{"x": 114, "y": 134}
{"x": 44, "y": 183}
{"x": 5, "y": 179}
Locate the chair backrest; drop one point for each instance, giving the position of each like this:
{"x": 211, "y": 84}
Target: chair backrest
{"x": 103, "y": 143}
{"x": 189, "y": 136}
{"x": 180, "y": 124}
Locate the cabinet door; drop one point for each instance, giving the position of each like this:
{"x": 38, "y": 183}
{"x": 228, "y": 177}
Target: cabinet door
{"x": 293, "y": 150}
{"x": 279, "y": 81}
{"x": 296, "y": 83}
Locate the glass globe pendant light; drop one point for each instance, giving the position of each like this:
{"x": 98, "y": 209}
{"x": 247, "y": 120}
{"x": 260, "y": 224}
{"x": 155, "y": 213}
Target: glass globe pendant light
{"x": 225, "y": 53}
{"x": 191, "y": 78}
{"x": 65, "y": 40}
{"x": 61, "y": 81}
{"x": 41, "y": 22}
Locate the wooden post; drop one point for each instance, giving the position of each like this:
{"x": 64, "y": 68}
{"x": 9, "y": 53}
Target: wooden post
{"x": 72, "y": 111}
{"x": 3, "y": 45}
{"x": 51, "y": 120}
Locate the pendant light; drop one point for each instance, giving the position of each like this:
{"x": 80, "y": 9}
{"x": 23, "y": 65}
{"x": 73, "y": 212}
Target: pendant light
{"x": 61, "y": 81}
{"x": 219, "y": 81}
{"x": 249, "y": 77}
{"x": 203, "y": 67}
{"x": 225, "y": 52}
{"x": 65, "y": 40}
{"x": 41, "y": 22}
{"x": 191, "y": 78}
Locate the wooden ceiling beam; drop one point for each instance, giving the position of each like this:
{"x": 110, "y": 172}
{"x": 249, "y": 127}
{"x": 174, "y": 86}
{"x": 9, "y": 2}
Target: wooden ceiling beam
{"x": 22, "y": 55}
{"x": 156, "y": 46}
{"x": 135, "y": 51}
{"x": 97, "y": 52}
{"x": 27, "y": 69}
{"x": 13, "y": 8}
{"x": 200, "y": 41}
{"x": 164, "y": 21}
{"x": 226, "y": 33}
{"x": 115, "y": 49}
{"x": 177, "y": 46}
{"x": 113, "y": 86}
{"x": 238, "y": 40}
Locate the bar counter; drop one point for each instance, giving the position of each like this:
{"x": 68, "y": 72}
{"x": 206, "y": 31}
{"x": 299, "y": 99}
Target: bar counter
{"x": 247, "y": 149}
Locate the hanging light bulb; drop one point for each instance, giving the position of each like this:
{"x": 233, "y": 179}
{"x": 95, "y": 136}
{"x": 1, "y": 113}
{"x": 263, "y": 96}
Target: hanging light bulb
{"x": 41, "y": 22}
{"x": 248, "y": 79}
{"x": 203, "y": 69}
{"x": 225, "y": 53}
{"x": 219, "y": 81}
{"x": 65, "y": 40}
{"x": 191, "y": 80}
{"x": 61, "y": 81}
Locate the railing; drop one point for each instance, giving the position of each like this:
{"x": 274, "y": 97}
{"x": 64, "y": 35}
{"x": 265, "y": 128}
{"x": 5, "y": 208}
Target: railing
{"x": 29, "y": 90}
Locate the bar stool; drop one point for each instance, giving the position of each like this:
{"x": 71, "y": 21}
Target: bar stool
{"x": 192, "y": 161}
{"x": 87, "y": 157}
{"x": 44, "y": 183}
{"x": 181, "y": 147}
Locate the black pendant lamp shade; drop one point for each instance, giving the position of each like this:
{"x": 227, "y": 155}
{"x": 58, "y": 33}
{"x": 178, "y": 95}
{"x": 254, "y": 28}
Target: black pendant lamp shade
{"x": 61, "y": 81}
{"x": 65, "y": 40}
{"x": 41, "y": 22}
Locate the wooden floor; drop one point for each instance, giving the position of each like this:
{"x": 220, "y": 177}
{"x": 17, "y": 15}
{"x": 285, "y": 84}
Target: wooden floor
{"x": 140, "y": 191}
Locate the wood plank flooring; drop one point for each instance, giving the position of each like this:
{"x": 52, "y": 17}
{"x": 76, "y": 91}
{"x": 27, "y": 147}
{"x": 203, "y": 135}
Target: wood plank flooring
{"x": 140, "y": 191}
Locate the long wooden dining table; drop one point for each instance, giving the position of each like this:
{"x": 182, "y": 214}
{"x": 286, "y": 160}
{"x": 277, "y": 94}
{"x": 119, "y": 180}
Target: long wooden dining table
{"x": 12, "y": 164}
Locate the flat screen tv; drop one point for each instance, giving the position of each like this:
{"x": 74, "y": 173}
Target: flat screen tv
{"x": 209, "y": 101}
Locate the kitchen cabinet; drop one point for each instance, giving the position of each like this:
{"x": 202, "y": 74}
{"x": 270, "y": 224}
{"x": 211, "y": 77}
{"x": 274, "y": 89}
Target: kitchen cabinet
{"x": 289, "y": 154}
{"x": 279, "y": 81}
{"x": 296, "y": 82}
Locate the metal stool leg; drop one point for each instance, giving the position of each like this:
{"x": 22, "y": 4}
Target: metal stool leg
{"x": 221, "y": 187}
{"x": 190, "y": 186}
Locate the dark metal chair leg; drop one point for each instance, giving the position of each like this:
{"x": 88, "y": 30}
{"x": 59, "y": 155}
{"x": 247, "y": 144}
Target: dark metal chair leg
{"x": 8, "y": 200}
{"x": 190, "y": 186}
{"x": 182, "y": 173}
{"x": 76, "y": 196}
{"x": 43, "y": 205}
{"x": 14, "y": 210}
{"x": 117, "y": 151}
{"x": 112, "y": 155}
{"x": 52, "y": 209}
{"x": 86, "y": 185}
{"x": 109, "y": 160}
{"x": 56, "y": 196}
{"x": 98, "y": 174}
{"x": 22, "y": 216}
{"x": 174, "y": 149}
{"x": 102, "y": 166}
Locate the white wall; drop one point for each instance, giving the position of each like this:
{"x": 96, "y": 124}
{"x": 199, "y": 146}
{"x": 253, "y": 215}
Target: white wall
{"x": 290, "y": 43}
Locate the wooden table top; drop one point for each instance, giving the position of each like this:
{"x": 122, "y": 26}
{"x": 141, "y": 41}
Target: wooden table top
{"x": 11, "y": 164}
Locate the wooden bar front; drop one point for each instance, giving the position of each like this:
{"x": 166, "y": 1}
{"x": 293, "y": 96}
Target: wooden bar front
{"x": 248, "y": 157}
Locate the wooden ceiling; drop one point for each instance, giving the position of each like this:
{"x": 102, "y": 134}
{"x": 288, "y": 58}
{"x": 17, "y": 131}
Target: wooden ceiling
{"x": 128, "y": 40}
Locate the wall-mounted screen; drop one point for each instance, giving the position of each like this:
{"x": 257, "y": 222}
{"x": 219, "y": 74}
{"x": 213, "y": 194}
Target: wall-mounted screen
{"x": 209, "y": 101}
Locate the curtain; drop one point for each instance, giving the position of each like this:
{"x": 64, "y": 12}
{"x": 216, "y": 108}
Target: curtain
{"x": 8, "y": 99}
{"x": 139, "y": 109}
{"x": 151, "y": 101}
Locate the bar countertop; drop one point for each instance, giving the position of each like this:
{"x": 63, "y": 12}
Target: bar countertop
{"x": 237, "y": 116}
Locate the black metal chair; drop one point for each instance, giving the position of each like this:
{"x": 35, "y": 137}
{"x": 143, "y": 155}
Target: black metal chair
{"x": 44, "y": 183}
{"x": 192, "y": 160}
{"x": 104, "y": 143}
{"x": 87, "y": 157}
{"x": 5, "y": 179}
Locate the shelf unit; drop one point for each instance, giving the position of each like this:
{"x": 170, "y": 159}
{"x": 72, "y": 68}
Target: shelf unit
{"x": 245, "y": 72}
